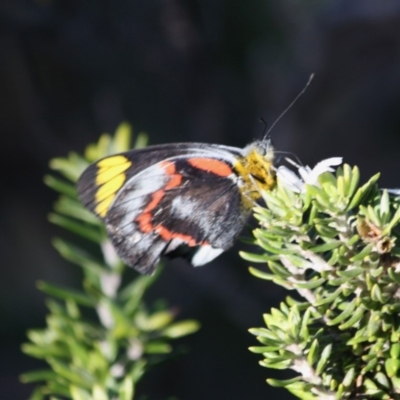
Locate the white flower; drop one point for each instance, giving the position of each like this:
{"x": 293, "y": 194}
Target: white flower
{"x": 396, "y": 191}
{"x": 307, "y": 176}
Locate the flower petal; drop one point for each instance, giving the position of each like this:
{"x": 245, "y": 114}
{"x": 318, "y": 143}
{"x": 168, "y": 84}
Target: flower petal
{"x": 307, "y": 175}
{"x": 290, "y": 179}
{"x": 321, "y": 167}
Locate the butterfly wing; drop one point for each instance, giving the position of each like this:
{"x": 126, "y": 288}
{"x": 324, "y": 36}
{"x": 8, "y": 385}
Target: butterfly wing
{"x": 182, "y": 206}
{"x": 179, "y": 200}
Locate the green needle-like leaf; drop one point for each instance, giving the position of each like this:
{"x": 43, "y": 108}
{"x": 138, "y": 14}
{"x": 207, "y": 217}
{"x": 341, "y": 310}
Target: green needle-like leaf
{"x": 340, "y": 253}
{"x": 100, "y": 340}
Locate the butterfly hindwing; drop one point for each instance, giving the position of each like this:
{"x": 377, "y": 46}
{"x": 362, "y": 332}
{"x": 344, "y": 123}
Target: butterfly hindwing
{"x": 184, "y": 206}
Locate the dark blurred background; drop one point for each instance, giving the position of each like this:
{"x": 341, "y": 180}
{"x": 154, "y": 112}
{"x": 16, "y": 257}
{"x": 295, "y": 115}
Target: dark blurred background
{"x": 183, "y": 70}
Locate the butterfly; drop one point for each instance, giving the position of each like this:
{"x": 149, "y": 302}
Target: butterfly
{"x": 187, "y": 200}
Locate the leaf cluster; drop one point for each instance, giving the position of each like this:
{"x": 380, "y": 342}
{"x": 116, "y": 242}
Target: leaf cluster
{"x": 335, "y": 243}
{"x": 100, "y": 340}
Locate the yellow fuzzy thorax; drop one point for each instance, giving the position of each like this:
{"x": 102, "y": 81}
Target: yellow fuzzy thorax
{"x": 256, "y": 173}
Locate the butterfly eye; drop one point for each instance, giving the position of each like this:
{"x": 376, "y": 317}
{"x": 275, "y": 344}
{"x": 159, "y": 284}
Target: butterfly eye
{"x": 262, "y": 150}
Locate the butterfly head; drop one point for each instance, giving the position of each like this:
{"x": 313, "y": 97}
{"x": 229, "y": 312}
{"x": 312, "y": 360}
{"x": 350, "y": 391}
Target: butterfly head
{"x": 256, "y": 168}
{"x": 263, "y": 148}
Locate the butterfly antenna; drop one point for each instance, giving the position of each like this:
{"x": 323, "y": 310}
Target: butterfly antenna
{"x": 262, "y": 120}
{"x": 266, "y": 136}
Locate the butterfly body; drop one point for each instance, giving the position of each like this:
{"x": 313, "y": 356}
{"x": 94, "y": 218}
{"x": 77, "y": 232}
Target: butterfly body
{"x": 184, "y": 199}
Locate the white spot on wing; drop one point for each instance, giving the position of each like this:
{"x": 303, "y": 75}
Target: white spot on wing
{"x": 184, "y": 207}
{"x": 174, "y": 244}
{"x": 204, "y": 255}
{"x": 135, "y": 238}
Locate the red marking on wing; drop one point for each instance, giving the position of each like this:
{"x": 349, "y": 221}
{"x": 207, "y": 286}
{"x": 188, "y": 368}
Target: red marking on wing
{"x": 175, "y": 181}
{"x": 144, "y": 219}
{"x": 211, "y": 165}
{"x": 155, "y": 200}
{"x": 169, "y": 167}
{"x": 167, "y": 235}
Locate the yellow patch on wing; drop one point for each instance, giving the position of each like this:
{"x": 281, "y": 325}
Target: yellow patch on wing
{"x": 102, "y": 208}
{"x": 257, "y": 174}
{"x": 104, "y": 175}
{"x": 110, "y": 178}
{"x": 112, "y": 161}
{"x": 110, "y": 187}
